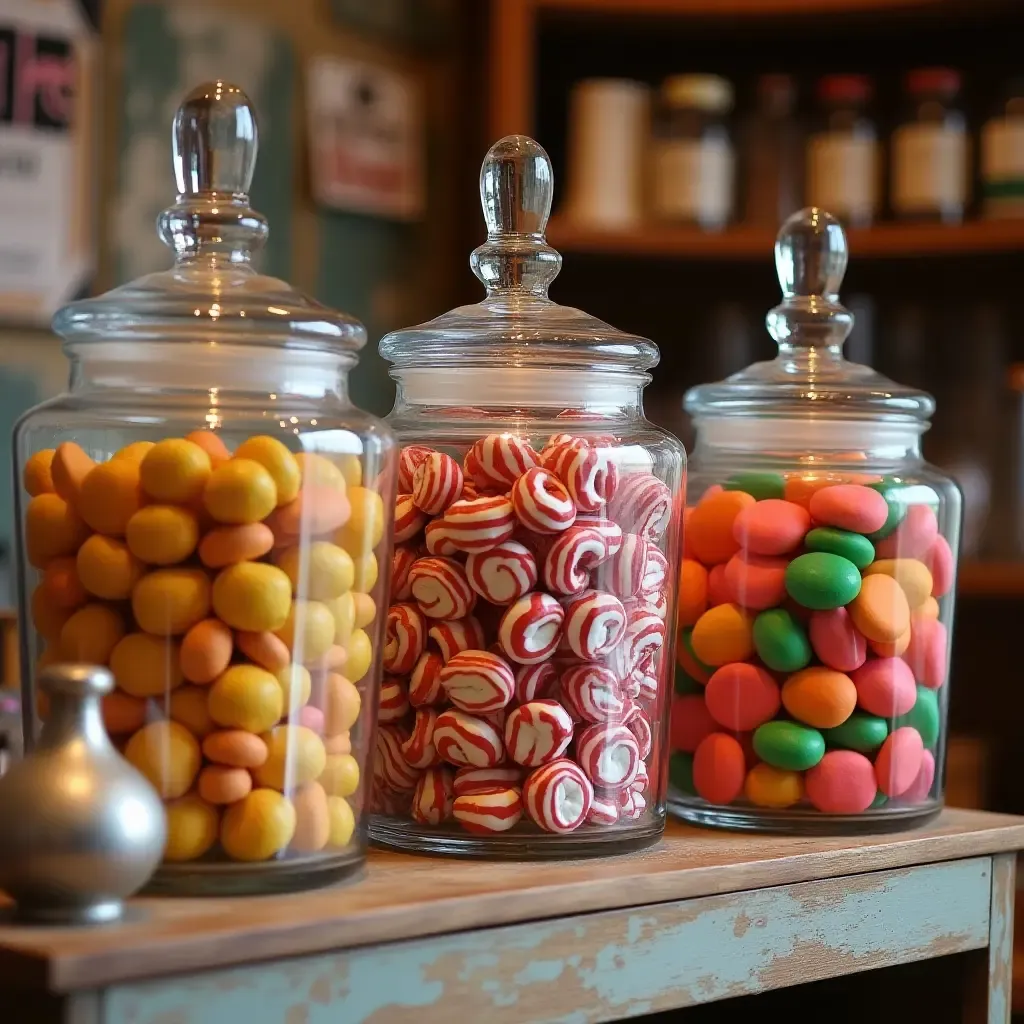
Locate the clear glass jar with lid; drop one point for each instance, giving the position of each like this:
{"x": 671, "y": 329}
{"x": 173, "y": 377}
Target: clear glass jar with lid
{"x": 817, "y": 581}
{"x": 527, "y": 651}
{"x": 205, "y": 512}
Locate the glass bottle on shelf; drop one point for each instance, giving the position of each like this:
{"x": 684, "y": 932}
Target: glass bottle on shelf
{"x": 773, "y": 154}
{"x": 842, "y": 153}
{"x": 692, "y": 156}
{"x": 930, "y": 148}
{"x": 1002, "y": 155}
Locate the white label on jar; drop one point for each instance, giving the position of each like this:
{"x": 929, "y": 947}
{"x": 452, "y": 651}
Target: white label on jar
{"x": 842, "y": 174}
{"x": 1002, "y": 149}
{"x": 693, "y": 180}
{"x": 929, "y": 169}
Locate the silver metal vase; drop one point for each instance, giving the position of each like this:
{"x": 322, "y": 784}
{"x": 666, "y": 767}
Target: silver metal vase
{"x": 80, "y": 828}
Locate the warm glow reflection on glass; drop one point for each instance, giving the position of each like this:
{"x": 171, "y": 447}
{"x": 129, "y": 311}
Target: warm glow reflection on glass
{"x": 135, "y": 819}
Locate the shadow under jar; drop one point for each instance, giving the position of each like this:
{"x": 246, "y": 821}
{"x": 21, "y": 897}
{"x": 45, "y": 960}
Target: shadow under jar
{"x": 817, "y": 582}
{"x": 203, "y": 511}
{"x": 527, "y": 649}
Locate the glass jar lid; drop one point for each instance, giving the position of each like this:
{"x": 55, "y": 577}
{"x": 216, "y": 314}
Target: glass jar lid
{"x": 212, "y": 293}
{"x": 516, "y": 324}
{"x": 810, "y": 379}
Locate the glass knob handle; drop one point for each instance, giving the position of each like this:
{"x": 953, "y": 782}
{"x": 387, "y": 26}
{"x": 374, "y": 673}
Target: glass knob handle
{"x": 811, "y": 254}
{"x": 516, "y": 186}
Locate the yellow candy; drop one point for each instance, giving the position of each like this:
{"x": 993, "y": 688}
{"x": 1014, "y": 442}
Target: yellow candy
{"x": 52, "y": 529}
{"x": 136, "y": 451}
{"x": 107, "y": 568}
{"x": 246, "y": 697}
{"x": 360, "y": 655}
{"x": 320, "y": 472}
{"x": 296, "y": 685}
{"x": 320, "y": 571}
{"x": 47, "y": 616}
{"x": 343, "y": 611}
{"x": 312, "y": 819}
{"x": 91, "y": 634}
{"x": 365, "y": 610}
{"x": 168, "y": 755}
{"x": 110, "y": 496}
{"x": 252, "y": 596}
{"x": 189, "y": 707}
{"x": 278, "y": 461}
{"x": 175, "y": 471}
{"x": 36, "y": 477}
{"x": 258, "y": 826}
{"x": 169, "y": 602}
{"x": 366, "y": 573}
{"x": 296, "y": 756}
{"x": 162, "y": 534}
{"x": 308, "y": 630}
{"x": 343, "y": 821}
{"x": 191, "y": 828}
{"x": 773, "y": 787}
{"x": 365, "y": 527}
{"x": 913, "y": 576}
{"x": 340, "y": 776}
{"x": 240, "y": 491}
{"x": 351, "y": 467}
{"x": 146, "y": 665}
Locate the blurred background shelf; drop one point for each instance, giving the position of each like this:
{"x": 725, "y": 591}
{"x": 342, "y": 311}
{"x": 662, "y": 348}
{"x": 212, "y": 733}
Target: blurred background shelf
{"x": 991, "y": 579}
{"x": 755, "y": 8}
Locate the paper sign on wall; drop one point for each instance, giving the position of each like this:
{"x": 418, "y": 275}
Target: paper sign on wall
{"x": 366, "y": 135}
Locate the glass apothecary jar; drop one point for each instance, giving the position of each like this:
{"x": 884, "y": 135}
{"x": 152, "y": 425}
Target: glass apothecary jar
{"x": 817, "y": 581}
{"x": 528, "y": 647}
{"x": 205, "y": 512}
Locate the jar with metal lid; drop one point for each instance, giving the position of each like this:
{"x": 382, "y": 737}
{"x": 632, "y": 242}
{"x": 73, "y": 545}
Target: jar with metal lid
{"x": 817, "y": 581}
{"x": 205, "y": 512}
{"x": 692, "y": 157}
{"x": 527, "y": 651}
{"x": 929, "y": 149}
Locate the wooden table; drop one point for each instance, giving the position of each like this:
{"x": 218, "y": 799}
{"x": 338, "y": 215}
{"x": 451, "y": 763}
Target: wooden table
{"x": 703, "y": 916}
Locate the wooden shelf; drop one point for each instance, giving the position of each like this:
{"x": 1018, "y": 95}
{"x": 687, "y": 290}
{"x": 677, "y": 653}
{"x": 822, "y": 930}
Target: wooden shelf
{"x": 751, "y": 8}
{"x": 991, "y": 579}
{"x": 885, "y": 241}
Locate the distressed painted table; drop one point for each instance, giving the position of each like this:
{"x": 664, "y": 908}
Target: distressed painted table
{"x": 703, "y": 916}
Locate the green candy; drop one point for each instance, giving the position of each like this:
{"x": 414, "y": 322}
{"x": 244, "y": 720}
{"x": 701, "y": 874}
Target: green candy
{"x": 861, "y": 732}
{"x": 880, "y": 801}
{"x": 757, "y": 485}
{"x": 680, "y": 772}
{"x": 892, "y": 490}
{"x": 822, "y": 581}
{"x": 854, "y": 546}
{"x": 780, "y": 641}
{"x": 789, "y": 745}
{"x": 924, "y": 716}
{"x": 685, "y": 683}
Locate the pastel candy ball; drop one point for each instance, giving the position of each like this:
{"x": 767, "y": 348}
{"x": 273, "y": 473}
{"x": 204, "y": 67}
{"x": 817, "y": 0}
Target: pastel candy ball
{"x": 771, "y": 527}
{"x": 926, "y": 654}
{"x": 921, "y": 787}
{"x": 52, "y": 529}
{"x": 741, "y": 696}
{"x": 941, "y": 565}
{"x": 755, "y": 581}
{"x": 37, "y": 477}
{"x": 718, "y": 588}
{"x": 107, "y": 568}
{"x": 246, "y": 697}
{"x": 240, "y": 491}
{"x": 90, "y": 634}
{"x": 843, "y": 782}
{"x": 899, "y": 761}
{"x": 278, "y": 461}
{"x": 168, "y": 602}
{"x": 821, "y": 697}
{"x": 110, "y": 495}
{"x": 145, "y": 665}
{"x": 162, "y": 534}
{"x": 821, "y": 581}
{"x": 295, "y": 754}
{"x": 885, "y": 687}
{"x": 854, "y": 507}
{"x": 836, "y": 640}
{"x": 912, "y": 575}
{"x": 252, "y": 596}
{"x": 914, "y": 537}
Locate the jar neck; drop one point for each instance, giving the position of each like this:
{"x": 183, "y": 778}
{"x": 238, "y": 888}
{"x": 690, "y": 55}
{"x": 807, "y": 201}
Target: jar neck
{"x": 609, "y": 393}
{"x": 188, "y": 367}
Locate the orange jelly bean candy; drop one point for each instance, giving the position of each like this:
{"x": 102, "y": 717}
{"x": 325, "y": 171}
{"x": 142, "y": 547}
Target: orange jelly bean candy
{"x": 693, "y": 591}
{"x": 211, "y": 444}
{"x": 122, "y": 713}
{"x": 221, "y": 784}
{"x": 228, "y": 545}
{"x": 266, "y": 649}
{"x": 37, "y": 477}
{"x": 723, "y": 634}
{"x": 317, "y": 510}
{"x": 719, "y": 768}
{"x": 235, "y": 747}
{"x": 62, "y": 585}
{"x": 710, "y": 526}
{"x": 206, "y": 651}
{"x": 881, "y": 610}
{"x": 68, "y": 470}
{"x": 820, "y": 697}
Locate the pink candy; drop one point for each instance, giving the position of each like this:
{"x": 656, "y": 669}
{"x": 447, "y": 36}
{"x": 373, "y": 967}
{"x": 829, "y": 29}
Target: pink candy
{"x": 437, "y": 482}
{"x": 899, "y": 761}
{"x": 926, "y": 653}
{"x": 836, "y": 641}
{"x": 771, "y": 527}
{"x": 537, "y": 731}
{"x": 558, "y": 796}
{"x": 849, "y": 507}
{"x": 913, "y": 538}
{"x": 504, "y": 573}
{"x": 435, "y": 536}
{"x": 645, "y": 635}
{"x": 432, "y": 798}
{"x": 604, "y": 810}
{"x": 756, "y": 581}
{"x": 885, "y": 687}
{"x": 609, "y": 754}
{"x": 631, "y": 804}
{"x": 530, "y": 630}
{"x": 542, "y": 503}
{"x": 594, "y": 624}
{"x": 466, "y": 741}
{"x": 404, "y": 638}
{"x": 478, "y": 681}
{"x": 441, "y": 588}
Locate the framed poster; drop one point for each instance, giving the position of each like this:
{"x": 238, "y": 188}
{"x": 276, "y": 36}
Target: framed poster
{"x": 47, "y": 156}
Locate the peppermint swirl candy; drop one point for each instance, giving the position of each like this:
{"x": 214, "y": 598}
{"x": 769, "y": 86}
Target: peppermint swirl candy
{"x": 645, "y": 634}
{"x": 609, "y": 530}
{"x": 590, "y": 476}
{"x": 624, "y": 572}
{"x": 480, "y": 524}
{"x": 390, "y": 768}
{"x": 537, "y": 732}
{"x": 409, "y": 459}
{"x": 641, "y": 780}
{"x": 437, "y": 540}
{"x": 595, "y": 623}
{"x": 559, "y": 449}
{"x": 646, "y": 502}
{"x": 529, "y": 631}
{"x": 457, "y": 635}
{"x": 437, "y": 483}
{"x": 425, "y": 681}
{"x": 401, "y": 562}
{"x": 609, "y": 755}
{"x": 639, "y": 724}
{"x": 594, "y": 693}
{"x": 482, "y": 780}
{"x": 503, "y": 574}
{"x": 418, "y": 748}
{"x": 393, "y": 702}
{"x": 542, "y": 503}
{"x": 631, "y": 804}
{"x": 535, "y": 681}
{"x": 645, "y": 677}
{"x": 441, "y": 589}
{"x": 478, "y": 682}
{"x": 496, "y": 810}
{"x": 557, "y": 796}
{"x": 466, "y": 741}
{"x": 604, "y": 810}
{"x": 570, "y": 558}
{"x": 498, "y": 460}
{"x": 655, "y": 571}
{"x": 409, "y": 520}
{"x": 405, "y": 638}
{"x": 433, "y": 797}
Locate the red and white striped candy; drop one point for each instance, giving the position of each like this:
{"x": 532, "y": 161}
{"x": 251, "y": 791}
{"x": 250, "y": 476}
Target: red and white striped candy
{"x": 641, "y": 780}
{"x": 401, "y": 563}
{"x": 604, "y": 810}
{"x": 405, "y": 638}
{"x": 623, "y": 574}
{"x": 593, "y": 692}
{"x": 497, "y": 718}
{"x": 393, "y": 703}
{"x": 657, "y": 602}
{"x": 542, "y": 503}
{"x": 408, "y": 459}
{"x": 409, "y": 520}
{"x": 559, "y": 450}
{"x": 530, "y": 629}
{"x": 645, "y": 681}
{"x": 644, "y": 504}
{"x": 570, "y": 558}
{"x": 655, "y": 571}
{"x": 436, "y": 483}
{"x": 557, "y": 796}
{"x": 556, "y": 439}
{"x": 498, "y": 460}
{"x": 609, "y": 530}
{"x": 481, "y": 780}
{"x": 495, "y": 810}
{"x": 595, "y": 623}
{"x": 437, "y": 539}
{"x": 433, "y": 797}
{"x": 457, "y": 635}
{"x": 418, "y": 747}
{"x": 441, "y": 588}
{"x": 535, "y": 681}
{"x": 609, "y": 754}
{"x": 466, "y": 741}
{"x": 537, "y": 732}
{"x": 390, "y": 768}
{"x": 425, "y": 689}
{"x": 640, "y": 726}
{"x": 478, "y": 682}
{"x": 503, "y": 574}
{"x": 645, "y": 634}
{"x": 480, "y": 524}
{"x": 590, "y": 477}
{"x": 631, "y": 804}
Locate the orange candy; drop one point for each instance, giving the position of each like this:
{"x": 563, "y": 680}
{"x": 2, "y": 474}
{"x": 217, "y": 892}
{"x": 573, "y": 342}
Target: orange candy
{"x": 693, "y": 591}
{"x": 123, "y": 713}
{"x": 820, "y": 697}
{"x": 236, "y": 748}
{"x": 37, "y": 477}
{"x": 266, "y": 649}
{"x": 211, "y": 444}
{"x": 723, "y": 634}
{"x": 317, "y": 510}
{"x": 228, "y": 545}
{"x": 881, "y": 610}
{"x": 221, "y": 784}
{"x": 63, "y": 587}
{"x": 719, "y": 768}
{"x": 710, "y": 526}
{"x": 69, "y": 468}
{"x": 896, "y": 649}
{"x": 206, "y": 651}
{"x": 930, "y": 609}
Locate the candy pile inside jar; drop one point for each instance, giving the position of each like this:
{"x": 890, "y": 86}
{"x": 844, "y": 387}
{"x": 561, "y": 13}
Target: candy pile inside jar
{"x": 229, "y": 593}
{"x": 523, "y": 647}
{"x": 811, "y": 651}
